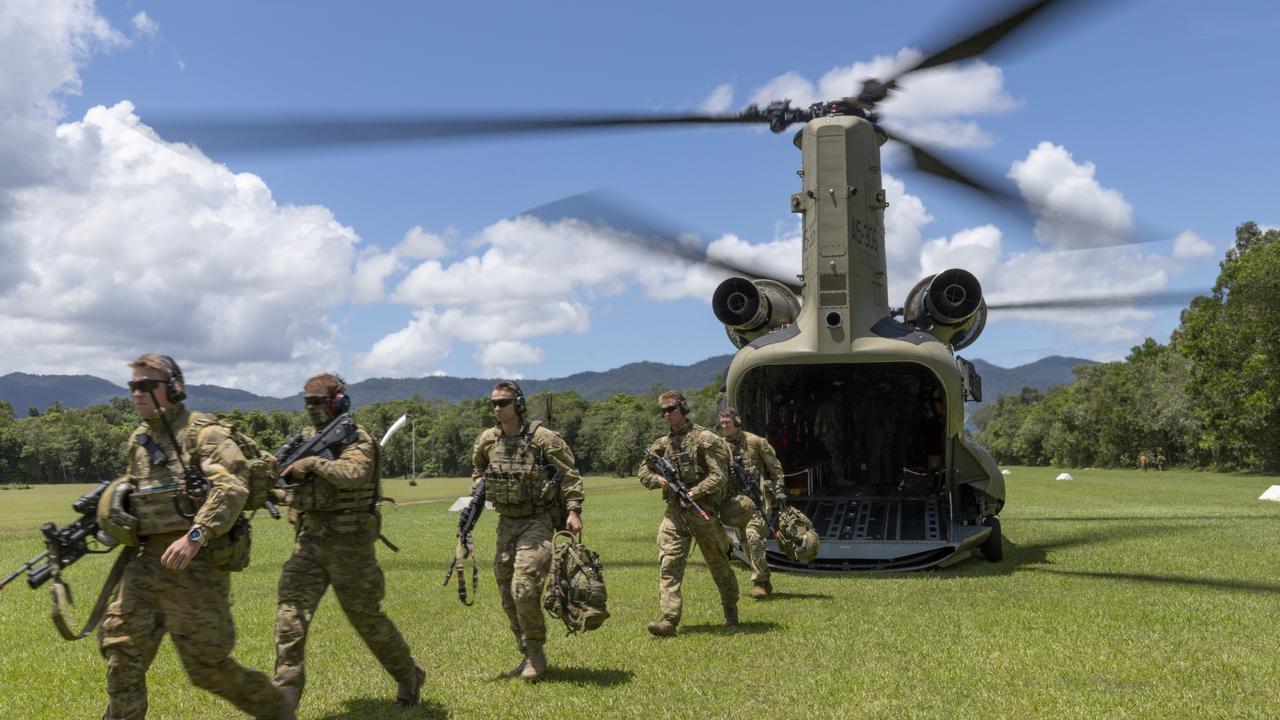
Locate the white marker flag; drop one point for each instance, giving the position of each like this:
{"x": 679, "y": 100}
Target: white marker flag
{"x": 392, "y": 430}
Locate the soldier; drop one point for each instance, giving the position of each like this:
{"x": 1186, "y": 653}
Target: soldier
{"x": 756, "y": 457}
{"x": 169, "y": 584}
{"x": 531, "y": 480}
{"x": 335, "y": 511}
{"x": 702, "y": 460}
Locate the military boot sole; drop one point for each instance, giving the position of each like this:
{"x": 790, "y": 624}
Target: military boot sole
{"x": 410, "y": 696}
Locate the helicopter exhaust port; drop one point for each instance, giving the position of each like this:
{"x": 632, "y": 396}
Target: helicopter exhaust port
{"x": 833, "y": 319}
{"x": 752, "y": 308}
{"x": 948, "y": 305}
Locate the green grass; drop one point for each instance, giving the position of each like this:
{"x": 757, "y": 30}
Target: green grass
{"x": 1122, "y": 594}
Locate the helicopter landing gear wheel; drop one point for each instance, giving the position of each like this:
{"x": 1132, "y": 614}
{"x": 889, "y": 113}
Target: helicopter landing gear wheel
{"x": 992, "y": 548}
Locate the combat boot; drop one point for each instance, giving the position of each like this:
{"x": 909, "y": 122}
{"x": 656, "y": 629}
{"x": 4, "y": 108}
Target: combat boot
{"x": 731, "y": 615}
{"x": 663, "y": 628}
{"x": 408, "y": 693}
{"x": 535, "y": 662}
{"x": 761, "y": 590}
{"x": 518, "y": 670}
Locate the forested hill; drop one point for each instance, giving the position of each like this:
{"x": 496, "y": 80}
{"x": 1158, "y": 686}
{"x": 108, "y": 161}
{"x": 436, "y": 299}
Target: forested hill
{"x": 23, "y": 391}
{"x": 1041, "y": 375}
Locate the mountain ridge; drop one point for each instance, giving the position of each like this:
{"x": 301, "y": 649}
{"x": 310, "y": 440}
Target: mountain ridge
{"x": 25, "y": 390}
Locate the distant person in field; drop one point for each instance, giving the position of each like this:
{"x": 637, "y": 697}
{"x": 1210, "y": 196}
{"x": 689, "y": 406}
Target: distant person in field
{"x": 1160, "y": 462}
{"x": 702, "y": 460}
{"x": 177, "y": 579}
{"x": 1144, "y": 461}
{"x": 531, "y": 479}
{"x": 335, "y": 511}
{"x": 757, "y": 457}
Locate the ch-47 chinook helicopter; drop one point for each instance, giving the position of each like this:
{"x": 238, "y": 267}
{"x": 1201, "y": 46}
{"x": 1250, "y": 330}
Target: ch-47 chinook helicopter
{"x": 864, "y": 402}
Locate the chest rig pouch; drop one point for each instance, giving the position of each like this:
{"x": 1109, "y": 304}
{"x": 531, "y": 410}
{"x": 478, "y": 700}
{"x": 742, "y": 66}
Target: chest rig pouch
{"x": 342, "y": 511}
{"x": 155, "y": 500}
{"x": 517, "y": 481}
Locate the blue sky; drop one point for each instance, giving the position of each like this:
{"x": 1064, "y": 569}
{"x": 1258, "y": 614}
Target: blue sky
{"x": 1164, "y": 107}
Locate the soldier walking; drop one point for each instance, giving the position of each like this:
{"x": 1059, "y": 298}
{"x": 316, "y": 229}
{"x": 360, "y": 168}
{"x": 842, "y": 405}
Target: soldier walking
{"x": 757, "y": 457}
{"x": 178, "y": 579}
{"x": 535, "y": 488}
{"x": 702, "y": 459}
{"x": 335, "y": 512}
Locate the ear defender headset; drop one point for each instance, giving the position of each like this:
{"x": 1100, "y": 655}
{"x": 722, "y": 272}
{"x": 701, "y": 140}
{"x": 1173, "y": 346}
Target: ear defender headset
{"x": 340, "y": 402}
{"x": 684, "y": 404}
{"x": 175, "y": 388}
{"x": 732, "y": 414}
{"x": 519, "y": 396}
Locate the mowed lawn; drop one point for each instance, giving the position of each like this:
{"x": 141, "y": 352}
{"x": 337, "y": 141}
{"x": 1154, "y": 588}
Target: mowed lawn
{"x": 1122, "y": 594}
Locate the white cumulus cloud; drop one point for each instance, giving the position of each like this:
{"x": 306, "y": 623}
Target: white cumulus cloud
{"x": 1074, "y": 210}
{"x": 144, "y": 26}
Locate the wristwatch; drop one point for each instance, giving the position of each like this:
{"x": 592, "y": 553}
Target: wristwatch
{"x": 197, "y": 535}
{"x": 576, "y": 511}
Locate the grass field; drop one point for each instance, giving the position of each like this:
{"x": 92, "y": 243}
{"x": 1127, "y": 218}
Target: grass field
{"x": 1122, "y": 594}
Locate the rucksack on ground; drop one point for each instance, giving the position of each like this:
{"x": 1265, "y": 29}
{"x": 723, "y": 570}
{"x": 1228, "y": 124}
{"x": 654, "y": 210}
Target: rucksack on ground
{"x": 575, "y": 585}
{"x": 796, "y": 536}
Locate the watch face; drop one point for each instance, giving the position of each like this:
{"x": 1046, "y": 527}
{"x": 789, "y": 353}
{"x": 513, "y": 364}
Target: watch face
{"x": 195, "y": 534}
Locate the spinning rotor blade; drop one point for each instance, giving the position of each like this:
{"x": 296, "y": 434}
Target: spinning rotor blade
{"x": 231, "y": 134}
{"x": 1157, "y": 299}
{"x": 599, "y": 208}
{"x": 1001, "y": 191}
{"x": 972, "y": 45}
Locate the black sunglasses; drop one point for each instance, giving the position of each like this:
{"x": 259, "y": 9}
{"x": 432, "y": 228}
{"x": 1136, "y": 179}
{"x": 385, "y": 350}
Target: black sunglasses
{"x": 145, "y": 386}
{"x": 503, "y": 402}
{"x": 310, "y": 401}
{"x": 667, "y": 410}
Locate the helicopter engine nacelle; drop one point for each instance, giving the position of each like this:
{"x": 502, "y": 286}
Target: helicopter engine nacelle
{"x": 752, "y": 308}
{"x": 948, "y": 305}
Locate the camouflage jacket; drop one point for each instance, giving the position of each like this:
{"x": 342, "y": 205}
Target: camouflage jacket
{"x": 702, "y": 458}
{"x": 223, "y": 463}
{"x": 345, "y": 485}
{"x": 529, "y": 464}
{"x": 757, "y": 456}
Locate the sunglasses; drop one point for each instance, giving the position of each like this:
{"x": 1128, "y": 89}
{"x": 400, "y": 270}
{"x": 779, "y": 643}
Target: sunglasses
{"x": 503, "y": 402}
{"x": 668, "y": 409}
{"x": 145, "y": 386}
{"x": 313, "y": 401}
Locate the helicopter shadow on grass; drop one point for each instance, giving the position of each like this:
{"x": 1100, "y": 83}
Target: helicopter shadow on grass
{"x": 1020, "y": 557}
{"x": 364, "y": 708}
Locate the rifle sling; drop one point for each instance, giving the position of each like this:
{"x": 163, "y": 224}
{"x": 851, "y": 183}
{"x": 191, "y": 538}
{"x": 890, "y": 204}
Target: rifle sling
{"x": 464, "y": 548}
{"x": 62, "y": 596}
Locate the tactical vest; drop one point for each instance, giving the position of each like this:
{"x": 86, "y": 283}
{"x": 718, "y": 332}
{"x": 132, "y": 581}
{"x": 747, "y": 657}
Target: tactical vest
{"x": 338, "y": 510}
{"x": 156, "y": 471}
{"x": 682, "y": 450}
{"x": 516, "y": 479}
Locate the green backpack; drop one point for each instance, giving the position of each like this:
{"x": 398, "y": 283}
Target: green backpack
{"x": 575, "y": 585}
{"x": 231, "y": 550}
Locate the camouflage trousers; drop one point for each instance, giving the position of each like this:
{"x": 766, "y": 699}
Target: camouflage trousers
{"x": 675, "y": 534}
{"x": 194, "y": 607}
{"x": 520, "y": 568}
{"x": 740, "y": 514}
{"x": 350, "y": 565}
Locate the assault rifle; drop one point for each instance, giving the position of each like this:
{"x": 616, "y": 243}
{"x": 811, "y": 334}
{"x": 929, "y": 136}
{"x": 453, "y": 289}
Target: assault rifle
{"x": 663, "y": 467}
{"x": 751, "y": 488}
{"x": 328, "y": 444}
{"x": 466, "y": 544}
{"x": 67, "y": 544}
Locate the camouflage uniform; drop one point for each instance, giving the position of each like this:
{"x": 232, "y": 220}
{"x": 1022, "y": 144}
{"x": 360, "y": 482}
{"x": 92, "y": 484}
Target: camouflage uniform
{"x": 703, "y": 461}
{"x": 193, "y": 605}
{"x": 335, "y": 511}
{"x": 531, "y": 505}
{"x": 739, "y": 513}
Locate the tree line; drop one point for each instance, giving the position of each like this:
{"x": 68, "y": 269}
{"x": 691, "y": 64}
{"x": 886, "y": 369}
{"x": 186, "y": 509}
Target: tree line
{"x": 1208, "y": 398}
{"x": 607, "y": 436}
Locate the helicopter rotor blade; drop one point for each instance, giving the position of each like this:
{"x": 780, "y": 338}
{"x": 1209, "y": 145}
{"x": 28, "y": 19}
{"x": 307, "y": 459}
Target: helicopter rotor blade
{"x": 601, "y": 208}
{"x": 1001, "y": 191}
{"x": 977, "y": 42}
{"x": 240, "y": 134}
{"x": 1156, "y": 299}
